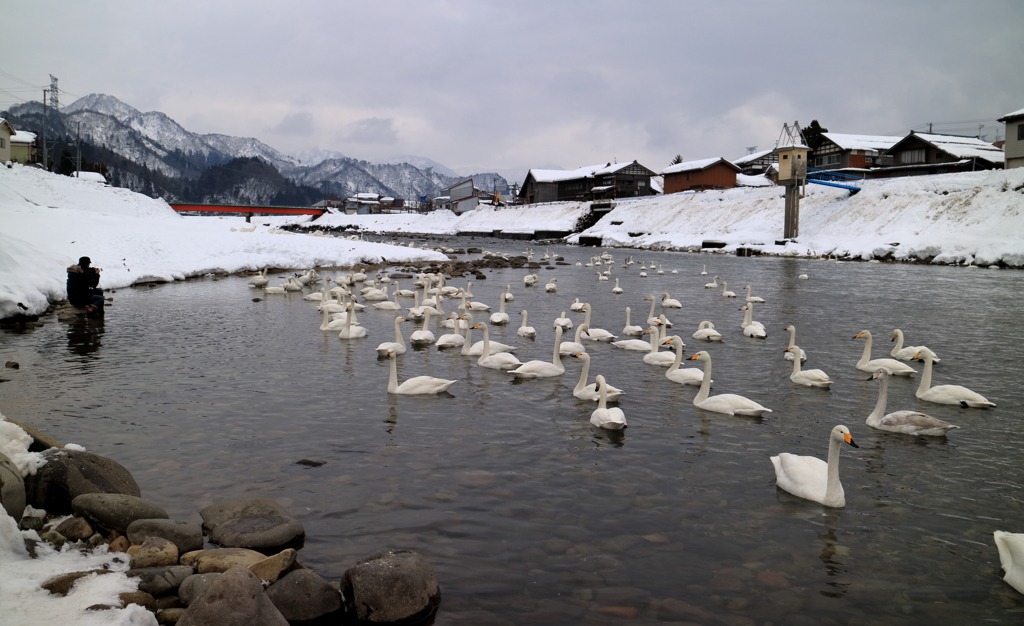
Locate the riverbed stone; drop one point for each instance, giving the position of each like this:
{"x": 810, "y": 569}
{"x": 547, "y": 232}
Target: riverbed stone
{"x": 194, "y": 586}
{"x": 115, "y": 511}
{"x": 256, "y": 523}
{"x": 119, "y": 544}
{"x": 302, "y": 595}
{"x": 71, "y": 473}
{"x": 187, "y": 536}
{"x": 141, "y": 598}
{"x": 393, "y": 586}
{"x": 155, "y": 552}
{"x": 62, "y": 584}
{"x": 235, "y": 598}
{"x": 75, "y": 528}
{"x": 222, "y": 560}
{"x": 12, "y": 488}
{"x": 160, "y": 581}
{"x": 270, "y": 568}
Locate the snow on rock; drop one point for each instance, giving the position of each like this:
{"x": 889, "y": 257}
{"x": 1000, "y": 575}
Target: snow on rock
{"x": 49, "y": 221}
{"x": 14, "y": 444}
{"x": 951, "y": 218}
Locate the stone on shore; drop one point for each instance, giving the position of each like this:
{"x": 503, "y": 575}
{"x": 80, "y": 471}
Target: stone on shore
{"x": 71, "y": 473}
{"x": 194, "y": 586}
{"x": 270, "y": 568}
{"x": 75, "y": 528}
{"x": 169, "y": 616}
{"x": 303, "y": 596}
{"x": 235, "y": 598}
{"x": 160, "y": 581}
{"x": 155, "y": 552}
{"x": 256, "y": 523}
{"x": 12, "y": 488}
{"x": 394, "y": 586}
{"x": 62, "y": 584}
{"x": 207, "y": 561}
{"x": 187, "y": 536}
{"x": 115, "y": 511}
{"x": 141, "y": 598}
{"x": 120, "y": 544}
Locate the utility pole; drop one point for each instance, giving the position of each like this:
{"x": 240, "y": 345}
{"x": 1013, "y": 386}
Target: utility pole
{"x": 929, "y": 128}
{"x": 46, "y": 117}
{"x": 78, "y": 144}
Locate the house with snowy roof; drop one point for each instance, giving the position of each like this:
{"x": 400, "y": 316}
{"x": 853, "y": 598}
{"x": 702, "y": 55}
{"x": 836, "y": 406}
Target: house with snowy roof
{"x": 610, "y": 180}
{"x": 716, "y": 173}
{"x": 6, "y": 130}
{"x": 1013, "y": 148}
{"x": 833, "y": 151}
{"x": 925, "y": 153}
{"x": 757, "y": 163}
{"x": 23, "y": 147}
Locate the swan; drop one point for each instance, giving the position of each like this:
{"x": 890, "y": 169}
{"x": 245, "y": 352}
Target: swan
{"x": 704, "y": 272}
{"x": 713, "y": 284}
{"x": 583, "y": 391}
{"x": 725, "y": 291}
{"x": 389, "y": 305}
{"x": 576, "y": 305}
{"x": 415, "y": 311}
{"x": 508, "y": 294}
{"x": 260, "y": 279}
{"x": 791, "y": 354}
{"x": 562, "y": 322}
{"x": 803, "y": 276}
{"x": 629, "y": 329}
{"x": 946, "y": 394}
{"x": 530, "y": 279}
{"x": 452, "y": 340}
{"x": 351, "y": 331}
{"x": 751, "y": 298}
{"x": 807, "y": 378}
{"x": 603, "y": 417}
{"x": 423, "y": 337}
{"x": 653, "y": 356}
{"x": 416, "y": 386}
{"x": 476, "y": 349}
{"x": 375, "y": 294}
{"x": 675, "y": 271}
{"x": 358, "y": 277}
{"x": 1011, "y": 557}
{"x": 865, "y": 364}
{"x": 903, "y": 422}
{"x": 669, "y": 302}
{"x": 811, "y": 478}
{"x": 524, "y": 330}
{"x": 327, "y": 325}
{"x": 906, "y": 354}
{"x": 750, "y": 327}
{"x": 707, "y": 332}
{"x": 293, "y": 285}
{"x": 543, "y": 369}
{"x": 616, "y": 289}
{"x": 728, "y": 403}
{"x": 398, "y": 345}
{"x": 472, "y": 306}
{"x": 316, "y": 296}
{"x": 501, "y": 317}
{"x": 663, "y": 330}
{"x": 688, "y": 376}
{"x": 497, "y": 361}
{"x": 572, "y": 347}
{"x": 643, "y": 274}
{"x": 601, "y": 276}
{"x": 596, "y": 334}
{"x": 278, "y": 289}
{"x": 551, "y": 287}
{"x": 405, "y": 293}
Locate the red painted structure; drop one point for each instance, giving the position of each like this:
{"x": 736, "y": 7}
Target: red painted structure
{"x": 263, "y": 210}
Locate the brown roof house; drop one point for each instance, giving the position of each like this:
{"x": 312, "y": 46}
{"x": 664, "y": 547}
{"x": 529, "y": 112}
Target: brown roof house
{"x": 835, "y": 151}
{"x": 610, "y": 180}
{"x": 717, "y": 173}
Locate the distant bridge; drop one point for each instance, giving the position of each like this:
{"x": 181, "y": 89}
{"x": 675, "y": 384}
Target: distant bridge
{"x": 833, "y": 179}
{"x": 250, "y": 209}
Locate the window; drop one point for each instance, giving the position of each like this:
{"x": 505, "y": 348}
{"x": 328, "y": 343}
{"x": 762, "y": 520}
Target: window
{"x": 912, "y": 156}
{"x": 2, "y": 144}
{"x": 833, "y": 159}
{"x": 818, "y": 161}
{"x": 1020, "y": 131}
{"x": 641, "y": 183}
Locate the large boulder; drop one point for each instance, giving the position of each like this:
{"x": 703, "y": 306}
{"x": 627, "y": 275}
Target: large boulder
{"x": 398, "y": 586}
{"x": 256, "y": 523}
{"x": 303, "y": 596}
{"x": 71, "y": 473}
{"x": 155, "y": 552}
{"x": 235, "y": 598}
{"x": 115, "y": 511}
{"x": 194, "y": 586}
{"x": 160, "y": 581}
{"x": 12, "y": 488}
{"x": 210, "y": 561}
{"x": 188, "y": 536}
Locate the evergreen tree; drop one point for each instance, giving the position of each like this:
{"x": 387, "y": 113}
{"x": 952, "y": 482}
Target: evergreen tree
{"x": 812, "y": 133}
{"x": 676, "y": 160}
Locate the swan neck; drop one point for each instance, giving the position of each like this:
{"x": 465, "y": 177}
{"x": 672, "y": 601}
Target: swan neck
{"x": 748, "y": 315}
{"x": 487, "y": 342}
{"x": 469, "y": 340}
{"x": 398, "y": 332}
{"x": 679, "y": 356}
{"x": 579, "y": 332}
{"x": 603, "y": 402}
{"x": 866, "y": 356}
{"x": 883, "y": 397}
{"x": 796, "y": 360}
{"x": 627, "y": 313}
{"x": 651, "y": 314}
{"x": 926, "y": 376}
{"x": 705, "y": 384}
{"x": 833, "y": 488}
{"x": 584, "y": 374}
{"x": 587, "y": 319}
{"x": 792, "y": 336}
{"x": 558, "y": 344}
{"x": 899, "y": 341}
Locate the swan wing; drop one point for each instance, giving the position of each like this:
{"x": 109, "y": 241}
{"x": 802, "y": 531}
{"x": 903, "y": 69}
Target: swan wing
{"x": 1011, "y": 557}
{"x": 422, "y": 385}
{"x": 732, "y": 404}
{"x": 686, "y": 376}
{"x": 890, "y": 365}
{"x": 954, "y": 394}
{"x": 632, "y": 344}
{"x": 538, "y": 369}
{"x": 803, "y": 476}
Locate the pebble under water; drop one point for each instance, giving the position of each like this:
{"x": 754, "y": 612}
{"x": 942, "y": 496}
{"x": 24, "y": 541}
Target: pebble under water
{"x": 528, "y": 513}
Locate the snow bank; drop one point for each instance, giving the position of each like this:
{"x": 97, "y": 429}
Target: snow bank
{"x": 14, "y": 444}
{"x": 435, "y": 223}
{"x": 952, "y": 218}
{"x": 49, "y": 221}
{"x": 557, "y": 216}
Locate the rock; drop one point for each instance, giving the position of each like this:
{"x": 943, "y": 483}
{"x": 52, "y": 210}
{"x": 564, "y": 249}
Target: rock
{"x": 141, "y": 598}
{"x": 61, "y": 585}
{"x": 75, "y": 528}
{"x": 169, "y": 616}
{"x": 224, "y": 559}
{"x": 270, "y": 568}
{"x": 115, "y": 511}
{"x": 53, "y": 537}
{"x": 187, "y": 536}
{"x": 69, "y": 474}
{"x": 399, "y": 585}
{"x": 120, "y": 544}
{"x": 170, "y": 602}
{"x": 12, "y": 365}
{"x": 257, "y": 523}
{"x": 160, "y": 581}
{"x": 235, "y": 598}
{"x": 29, "y": 522}
{"x": 155, "y": 552}
{"x": 12, "y": 488}
{"x": 95, "y": 540}
{"x": 194, "y": 586}
{"x": 132, "y": 550}
{"x": 302, "y": 595}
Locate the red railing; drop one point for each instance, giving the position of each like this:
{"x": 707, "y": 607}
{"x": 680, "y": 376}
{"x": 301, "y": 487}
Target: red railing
{"x": 264, "y": 210}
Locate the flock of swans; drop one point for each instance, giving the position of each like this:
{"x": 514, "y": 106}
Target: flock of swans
{"x": 806, "y": 477}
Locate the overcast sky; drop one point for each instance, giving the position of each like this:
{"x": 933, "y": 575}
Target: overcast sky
{"x": 504, "y": 86}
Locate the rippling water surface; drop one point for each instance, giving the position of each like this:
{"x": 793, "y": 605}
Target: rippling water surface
{"x": 528, "y": 513}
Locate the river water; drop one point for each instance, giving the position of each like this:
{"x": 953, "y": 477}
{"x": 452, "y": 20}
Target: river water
{"x": 527, "y": 512}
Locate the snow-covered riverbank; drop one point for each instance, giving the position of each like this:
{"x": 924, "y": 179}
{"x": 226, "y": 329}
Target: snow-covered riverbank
{"x": 48, "y": 221}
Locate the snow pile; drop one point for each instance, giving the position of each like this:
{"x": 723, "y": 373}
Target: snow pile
{"x": 435, "y": 223}
{"x": 14, "y": 443}
{"x": 556, "y": 216}
{"x": 952, "y": 218}
{"x": 49, "y": 221}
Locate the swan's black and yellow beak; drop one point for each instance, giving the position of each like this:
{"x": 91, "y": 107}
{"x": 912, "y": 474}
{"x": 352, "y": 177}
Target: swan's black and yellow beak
{"x": 848, "y": 438}
{"x": 893, "y": 338}
{"x": 857, "y": 336}
{"x": 917, "y": 356}
{"x": 693, "y": 358}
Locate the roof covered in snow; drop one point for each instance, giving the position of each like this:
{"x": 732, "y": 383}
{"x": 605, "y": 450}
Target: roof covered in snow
{"x": 589, "y": 171}
{"x": 879, "y": 143}
{"x": 742, "y": 180}
{"x": 1011, "y": 116}
{"x": 743, "y": 160}
{"x": 961, "y": 147}
{"x": 691, "y": 166}
{"x": 23, "y": 136}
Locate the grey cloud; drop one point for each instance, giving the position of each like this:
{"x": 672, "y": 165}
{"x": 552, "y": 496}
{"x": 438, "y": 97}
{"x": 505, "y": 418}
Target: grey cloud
{"x": 300, "y": 124}
{"x": 372, "y": 130}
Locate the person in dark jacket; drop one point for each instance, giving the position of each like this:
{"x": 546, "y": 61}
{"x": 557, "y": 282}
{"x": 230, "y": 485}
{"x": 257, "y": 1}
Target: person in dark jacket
{"x": 82, "y": 287}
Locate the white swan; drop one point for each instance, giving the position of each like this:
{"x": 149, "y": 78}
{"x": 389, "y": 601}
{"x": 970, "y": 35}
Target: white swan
{"x": 601, "y": 276}
{"x": 807, "y": 378}
{"x": 497, "y": 361}
{"x": 907, "y": 353}
{"x": 631, "y": 330}
{"x": 725, "y": 291}
{"x": 946, "y": 394}
{"x": 574, "y": 346}
{"x": 562, "y": 322}
{"x": 543, "y": 369}
{"x": 751, "y": 298}
{"x": 316, "y": 296}
{"x": 398, "y": 345}
{"x": 476, "y": 349}
{"x": 713, "y": 284}
{"x": 583, "y": 391}
{"x": 293, "y": 285}
{"x": 688, "y": 376}
{"x": 260, "y": 279}
{"x": 653, "y": 356}
{"x": 332, "y": 326}
{"x": 638, "y": 345}
{"x": 501, "y": 317}
{"x": 651, "y": 317}
{"x": 524, "y": 330}
{"x": 803, "y": 276}
{"x": 903, "y": 422}
{"x": 603, "y": 417}
{"x": 423, "y": 337}
{"x": 1011, "y": 557}
{"x": 576, "y": 305}
{"x": 405, "y": 293}
{"x": 750, "y": 327}
{"x": 865, "y": 364}
{"x": 551, "y": 287}
{"x": 704, "y": 272}
{"x": 728, "y": 403}
{"x": 596, "y": 334}
{"x": 389, "y": 305}
{"x": 706, "y": 331}
{"x": 790, "y": 354}
{"x": 616, "y": 289}
{"x": 530, "y": 279}
{"x": 351, "y": 331}
{"x": 811, "y": 478}
{"x": 668, "y": 302}
{"x": 416, "y": 386}
{"x": 452, "y": 340}
{"x": 508, "y": 294}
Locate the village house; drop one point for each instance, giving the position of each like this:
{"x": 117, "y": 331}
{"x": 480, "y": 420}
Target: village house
{"x": 461, "y": 197}
{"x": 834, "y": 151}
{"x": 717, "y": 173}
{"x": 1013, "y": 148}
{"x": 923, "y": 153}
{"x": 757, "y": 163}
{"x": 23, "y": 147}
{"x": 6, "y": 131}
{"x": 611, "y": 180}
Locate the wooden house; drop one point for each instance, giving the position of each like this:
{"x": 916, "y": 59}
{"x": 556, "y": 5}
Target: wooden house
{"x": 6, "y": 131}
{"x": 594, "y": 182}
{"x": 1013, "y": 147}
{"x": 23, "y": 147}
{"x": 757, "y": 163}
{"x": 834, "y": 151}
{"x": 717, "y": 173}
{"x": 924, "y": 153}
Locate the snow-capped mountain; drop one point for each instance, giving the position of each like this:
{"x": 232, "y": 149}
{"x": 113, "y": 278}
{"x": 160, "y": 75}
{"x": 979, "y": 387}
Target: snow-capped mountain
{"x": 420, "y": 162}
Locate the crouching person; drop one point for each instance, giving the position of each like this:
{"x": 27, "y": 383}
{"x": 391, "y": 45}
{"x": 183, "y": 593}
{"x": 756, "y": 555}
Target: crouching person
{"x": 83, "y": 290}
